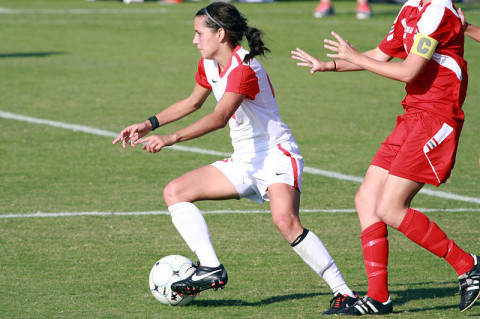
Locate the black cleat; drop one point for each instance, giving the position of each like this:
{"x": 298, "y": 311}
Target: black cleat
{"x": 367, "y": 306}
{"x": 339, "y": 302}
{"x": 202, "y": 279}
{"x": 470, "y": 286}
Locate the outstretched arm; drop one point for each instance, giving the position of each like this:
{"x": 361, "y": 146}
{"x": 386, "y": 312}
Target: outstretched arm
{"x": 172, "y": 113}
{"x": 470, "y": 30}
{"x": 224, "y": 110}
{"x": 317, "y": 65}
{"x": 404, "y": 71}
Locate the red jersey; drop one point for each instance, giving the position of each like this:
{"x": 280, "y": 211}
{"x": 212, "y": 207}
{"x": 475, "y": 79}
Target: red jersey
{"x": 441, "y": 86}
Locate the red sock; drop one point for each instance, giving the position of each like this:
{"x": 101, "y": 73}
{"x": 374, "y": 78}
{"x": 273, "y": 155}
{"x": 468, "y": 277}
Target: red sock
{"x": 418, "y": 228}
{"x": 375, "y": 255}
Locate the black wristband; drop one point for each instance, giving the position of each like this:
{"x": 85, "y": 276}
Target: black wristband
{"x": 334, "y": 66}
{"x": 154, "y": 121}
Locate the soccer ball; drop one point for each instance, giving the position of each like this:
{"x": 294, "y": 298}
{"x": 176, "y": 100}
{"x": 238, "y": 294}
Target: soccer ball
{"x": 166, "y": 271}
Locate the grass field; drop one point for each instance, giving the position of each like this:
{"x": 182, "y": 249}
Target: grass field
{"x": 103, "y": 65}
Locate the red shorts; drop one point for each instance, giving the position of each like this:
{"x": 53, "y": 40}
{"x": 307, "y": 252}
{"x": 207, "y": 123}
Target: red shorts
{"x": 421, "y": 148}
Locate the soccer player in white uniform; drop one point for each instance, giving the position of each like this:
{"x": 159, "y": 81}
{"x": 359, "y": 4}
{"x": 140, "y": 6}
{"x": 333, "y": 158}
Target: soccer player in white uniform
{"x": 428, "y": 36}
{"x": 266, "y": 163}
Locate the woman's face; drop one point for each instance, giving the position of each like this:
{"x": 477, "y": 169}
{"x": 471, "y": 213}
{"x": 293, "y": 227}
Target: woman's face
{"x": 206, "y": 39}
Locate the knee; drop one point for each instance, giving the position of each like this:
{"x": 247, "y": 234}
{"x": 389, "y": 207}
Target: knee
{"x": 283, "y": 223}
{"x": 288, "y": 226}
{"x": 383, "y": 210}
{"x": 369, "y": 207}
{"x": 391, "y": 213}
{"x": 366, "y": 206}
{"x": 172, "y": 193}
{"x": 363, "y": 200}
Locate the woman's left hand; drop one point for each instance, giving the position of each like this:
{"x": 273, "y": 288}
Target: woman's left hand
{"x": 344, "y": 50}
{"x": 155, "y": 143}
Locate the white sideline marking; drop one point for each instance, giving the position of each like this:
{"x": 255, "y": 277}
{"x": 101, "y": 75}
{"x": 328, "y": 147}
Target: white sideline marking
{"x": 335, "y": 175}
{"x": 80, "y": 11}
{"x": 308, "y": 170}
{"x": 330, "y": 211}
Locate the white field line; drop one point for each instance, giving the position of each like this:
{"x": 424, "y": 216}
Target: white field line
{"x": 308, "y": 170}
{"x": 328, "y": 211}
{"x": 81, "y": 11}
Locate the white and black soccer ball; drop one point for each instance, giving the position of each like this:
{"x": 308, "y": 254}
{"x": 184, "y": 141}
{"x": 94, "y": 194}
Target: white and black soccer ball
{"x": 166, "y": 271}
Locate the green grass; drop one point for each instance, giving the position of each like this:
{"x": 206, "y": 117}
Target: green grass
{"x": 106, "y": 65}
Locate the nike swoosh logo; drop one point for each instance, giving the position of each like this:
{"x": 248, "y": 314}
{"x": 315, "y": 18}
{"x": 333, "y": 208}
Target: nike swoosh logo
{"x": 214, "y": 81}
{"x": 197, "y": 278}
{"x": 279, "y": 173}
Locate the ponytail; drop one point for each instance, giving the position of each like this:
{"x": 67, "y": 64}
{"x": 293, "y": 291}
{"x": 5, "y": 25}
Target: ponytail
{"x": 257, "y": 47}
{"x": 225, "y": 15}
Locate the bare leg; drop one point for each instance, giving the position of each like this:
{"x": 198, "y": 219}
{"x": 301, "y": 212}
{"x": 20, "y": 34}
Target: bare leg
{"x": 374, "y": 233}
{"x": 284, "y": 205}
{"x": 203, "y": 183}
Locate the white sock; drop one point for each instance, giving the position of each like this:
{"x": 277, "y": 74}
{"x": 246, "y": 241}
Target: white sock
{"x": 314, "y": 254}
{"x": 191, "y": 225}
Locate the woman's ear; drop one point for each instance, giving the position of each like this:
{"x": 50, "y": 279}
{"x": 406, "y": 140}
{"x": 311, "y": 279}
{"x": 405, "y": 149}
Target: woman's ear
{"x": 221, "y": 35}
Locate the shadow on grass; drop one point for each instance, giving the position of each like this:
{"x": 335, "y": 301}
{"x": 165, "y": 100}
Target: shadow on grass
{"x": 436, "y": 294}
{"x": 29, "y": 54}
{"x": 267, "y": 301}
{"x": 400, "y": 297}
{"x": 432, "y": 294}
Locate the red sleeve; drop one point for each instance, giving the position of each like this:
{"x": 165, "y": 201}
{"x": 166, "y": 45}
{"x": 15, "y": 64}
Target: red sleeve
{"x": 201, "y": 77}
{"x": 448, "y": 27}
{"x": 243, "y": 80}
{"x": 393, "y": 45}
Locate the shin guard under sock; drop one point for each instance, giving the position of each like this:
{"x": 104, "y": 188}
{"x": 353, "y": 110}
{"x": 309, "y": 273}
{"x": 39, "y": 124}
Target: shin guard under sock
{"x": 311, "y": 249}
{"x": 191, "y": 225}
{"x": 419, "y": 229}
{"x": 375, "y": 254}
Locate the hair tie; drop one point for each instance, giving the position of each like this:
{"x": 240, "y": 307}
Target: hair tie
{"x": 213, "y": 20}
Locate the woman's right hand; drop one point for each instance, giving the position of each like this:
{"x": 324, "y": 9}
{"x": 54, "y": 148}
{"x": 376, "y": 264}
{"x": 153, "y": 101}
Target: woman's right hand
{"x": 133, "y": 133}
{"x": 309, "y": 61}
{"x": 462, "y": 18}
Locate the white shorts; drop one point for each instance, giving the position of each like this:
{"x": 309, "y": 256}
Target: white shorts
{"x": 252, "y": 177}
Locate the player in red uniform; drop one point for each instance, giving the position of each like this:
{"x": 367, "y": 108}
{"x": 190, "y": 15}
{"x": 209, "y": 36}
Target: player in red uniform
{"x": 428, "y": 36}
{"x": 266, "y": 164}
{"x": 471, "y": 30}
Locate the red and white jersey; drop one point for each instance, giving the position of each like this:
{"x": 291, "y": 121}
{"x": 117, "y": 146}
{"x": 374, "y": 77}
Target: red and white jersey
{"x": 256, "y": 125}
{"x": 441, "y": 86}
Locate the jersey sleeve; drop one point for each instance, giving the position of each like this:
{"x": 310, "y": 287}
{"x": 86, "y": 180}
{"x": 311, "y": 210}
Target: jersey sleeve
{"x": 243, "y": 80}
{"x": 392, "y": 45}
{"x": 439, "y": 23}
{"x": 201, "y": 76}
